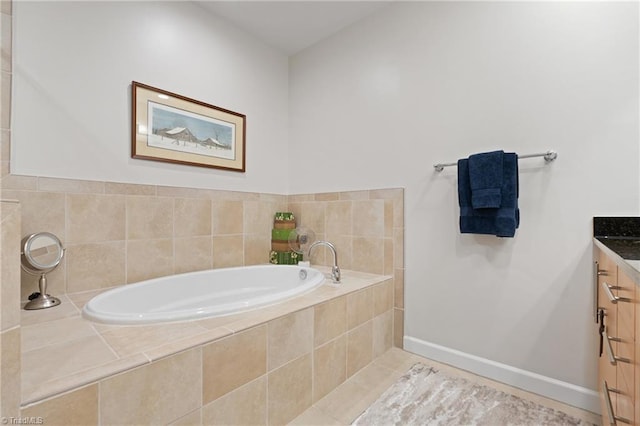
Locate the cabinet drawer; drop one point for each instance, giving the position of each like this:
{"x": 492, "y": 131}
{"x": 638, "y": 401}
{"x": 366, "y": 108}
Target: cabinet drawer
{"x": 624, "y": 408}
{"x": 626, "y": 306}
{"x": 625, "y": 376}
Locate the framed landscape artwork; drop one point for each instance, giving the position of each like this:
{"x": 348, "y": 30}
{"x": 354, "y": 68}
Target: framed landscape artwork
{"x": 176, "y": 129}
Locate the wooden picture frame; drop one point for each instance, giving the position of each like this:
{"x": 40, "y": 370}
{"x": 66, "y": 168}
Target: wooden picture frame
{"x": 176, "y": 129}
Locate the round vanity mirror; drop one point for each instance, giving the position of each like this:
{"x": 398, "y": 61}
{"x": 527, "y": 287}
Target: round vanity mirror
{"x": 41, "y": 253}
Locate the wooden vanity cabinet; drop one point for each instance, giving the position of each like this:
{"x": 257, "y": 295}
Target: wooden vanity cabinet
{"x": 607, "y": 274}
{"x": 617, "y": 368}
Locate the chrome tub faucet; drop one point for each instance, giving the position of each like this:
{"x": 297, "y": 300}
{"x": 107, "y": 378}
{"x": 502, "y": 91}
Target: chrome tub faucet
{"x": 335, "y": 270}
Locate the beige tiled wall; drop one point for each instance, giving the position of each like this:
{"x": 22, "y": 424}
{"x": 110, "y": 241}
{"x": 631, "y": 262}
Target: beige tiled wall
{"x": 9, "y": 310}
{"x": 268, "y": 374}
{"x": 367, "y": 228}
{"x": 10, "y": 218}
{"x": 115, "y": 236}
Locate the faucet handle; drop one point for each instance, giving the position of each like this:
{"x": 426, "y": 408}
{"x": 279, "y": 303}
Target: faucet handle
{"x": 335, "y": 274}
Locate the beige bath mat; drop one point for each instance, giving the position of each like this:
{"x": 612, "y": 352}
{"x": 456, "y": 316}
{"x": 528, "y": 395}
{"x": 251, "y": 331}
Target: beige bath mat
{"x": 424, "y": 396}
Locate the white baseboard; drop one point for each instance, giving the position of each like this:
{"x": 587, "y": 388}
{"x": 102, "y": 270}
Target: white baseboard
{"x": 570, "y": 394}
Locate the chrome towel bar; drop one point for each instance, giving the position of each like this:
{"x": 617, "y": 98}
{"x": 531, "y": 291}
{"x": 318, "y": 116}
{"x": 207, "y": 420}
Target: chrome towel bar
{"x": 549, "y": 156}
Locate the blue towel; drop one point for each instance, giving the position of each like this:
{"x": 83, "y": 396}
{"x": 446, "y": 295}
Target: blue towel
{"x": 485, "y": 176}
{"x": 501, "y": 221}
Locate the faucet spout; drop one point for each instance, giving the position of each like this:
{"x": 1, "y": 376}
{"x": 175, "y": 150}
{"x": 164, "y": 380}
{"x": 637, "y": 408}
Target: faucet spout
{"x": 335, "y": 270}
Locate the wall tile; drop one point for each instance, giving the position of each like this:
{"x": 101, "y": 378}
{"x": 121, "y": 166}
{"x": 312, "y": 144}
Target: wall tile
{"x": 192, "y": 217}
{"x": 192, "y": 254}
{"x": 382, "y": 297}
{"x": 156, "y": 393}
{"x": 41, "y": 211}
{"x": 5, "y": 100}
{"x": 148, "y": 259}
{"x": 17, "y": 182}
{"x": 95, "y": 218}
{"x": 359, "y": 307}
{"x": 70, "y": 186}
{"x": 246, "y": 405}
{"x": 398, "y": 212}
{"x": 330, "y": 367}
{"x": 244, "y": 357}
{"x": 388, "y": 218}
{"x": 398, "y": 291}
{"x": 328, "y": 196}
{"x": 289, "y": 391}
{"x": 369, "y": 255}
{"x": 398, "y": 247}
{"x": 258, "y": 216}
{"x": 398, "y": 328}
{"x": 182, "y": 192}
{"x": 296, "y": 198}
{"x": 227, "y": 217}
{"x": 388, "y": 256}
{"x": 149, "y": 217}
{"x": 79, "y": 407}
{"x": 368, "y": 218}
{"x": 10, "y": 368}
{"x": 6, "y": 6}
{"x": 354, "y": 195}
{"x": 359, "y": 348}
{"x": 386, "y": 194}
{"x": 228, "y": 251}
{"x": 10, "y": 236}
{"x": 5, "y": 145}
{"x": 313, "y": 216}
{"x": 95, "y": 266}
{"x": 338, "y": 217}
{"x": 382, "y": 333}
{"x": 289, "y": 337}
{"x": 257, "y": 248}
{"x": 330, "y": 320}
{"x": 129, "y": 189}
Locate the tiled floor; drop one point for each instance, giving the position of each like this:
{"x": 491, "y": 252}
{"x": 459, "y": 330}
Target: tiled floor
{"x": 351, "y": 398}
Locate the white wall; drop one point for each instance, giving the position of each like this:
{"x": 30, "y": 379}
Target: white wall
{"x": 73, "y": 66}
{"x": 420, "y": 83}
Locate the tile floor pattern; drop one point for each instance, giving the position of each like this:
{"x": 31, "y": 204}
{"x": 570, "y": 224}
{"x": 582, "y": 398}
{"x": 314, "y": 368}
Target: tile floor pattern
{"x": 349, "y": 400}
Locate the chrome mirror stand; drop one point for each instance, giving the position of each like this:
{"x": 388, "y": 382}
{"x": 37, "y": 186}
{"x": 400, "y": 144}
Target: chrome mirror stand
{"x": 41, "y": 253}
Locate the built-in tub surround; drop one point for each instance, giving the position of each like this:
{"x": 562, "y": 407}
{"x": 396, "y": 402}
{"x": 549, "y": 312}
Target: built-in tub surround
{"x": 277, "y": 360}
{"x": 117, "y": 233}
{"x": 227, "y": 229}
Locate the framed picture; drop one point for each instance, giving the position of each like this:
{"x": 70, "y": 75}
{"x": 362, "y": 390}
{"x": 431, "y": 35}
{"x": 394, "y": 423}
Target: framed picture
{"x": 173, "y": 128}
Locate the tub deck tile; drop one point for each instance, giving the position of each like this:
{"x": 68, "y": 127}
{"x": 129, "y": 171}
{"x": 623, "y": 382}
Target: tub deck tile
{"x": 171, "y": 348}
{"x": 62, "y": 351}
{"x": 127, "y": 341}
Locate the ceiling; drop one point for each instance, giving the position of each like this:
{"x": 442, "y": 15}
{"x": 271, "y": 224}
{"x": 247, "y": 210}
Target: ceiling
{"x": 292, "y": 26}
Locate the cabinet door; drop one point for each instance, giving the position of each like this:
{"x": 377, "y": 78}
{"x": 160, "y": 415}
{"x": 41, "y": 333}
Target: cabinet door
{"x": 626, "y": 347}
{"x": 607, "y": 372}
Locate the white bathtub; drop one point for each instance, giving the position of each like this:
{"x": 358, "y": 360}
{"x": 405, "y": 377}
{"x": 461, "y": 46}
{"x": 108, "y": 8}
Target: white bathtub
{"x": 203, "y": 294}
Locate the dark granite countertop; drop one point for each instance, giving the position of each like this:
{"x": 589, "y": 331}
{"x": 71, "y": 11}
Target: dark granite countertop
{"x": 620, "y": 238}
{"x": 627, "y": 248}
